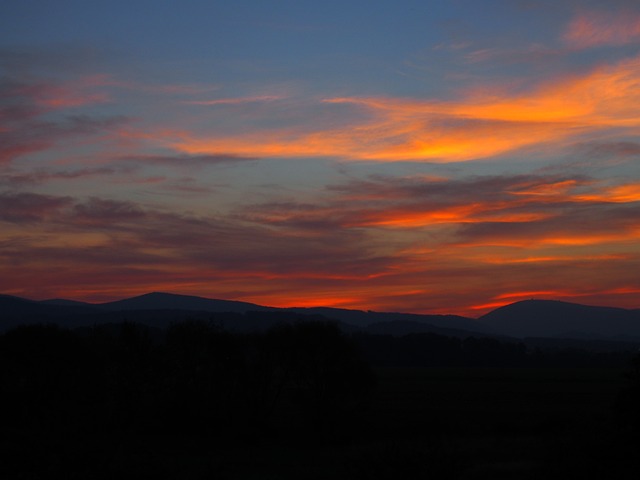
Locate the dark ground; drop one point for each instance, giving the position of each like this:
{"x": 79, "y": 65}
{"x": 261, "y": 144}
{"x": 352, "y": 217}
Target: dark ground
{"x": 466, "y": 423}
{"x": 297, "y": 403}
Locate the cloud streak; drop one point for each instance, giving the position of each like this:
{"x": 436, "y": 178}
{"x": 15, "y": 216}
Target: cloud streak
{"x": 170, "y": 195}
{"x": 480, "y": 124}
{"x": 183, "y": 160}
{"x": 43, "y": 176}
{"x": 503, "y": 209}
{"x": 26, "y": 110}
{"x": 400, "y": 243}
{"x": 236, "y": 100}
{"x": 30, "y": 207}
{"x": 599, "y": 28}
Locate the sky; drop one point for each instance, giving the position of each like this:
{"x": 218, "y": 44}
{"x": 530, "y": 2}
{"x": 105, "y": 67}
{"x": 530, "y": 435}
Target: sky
{"x": 414, "y": 156}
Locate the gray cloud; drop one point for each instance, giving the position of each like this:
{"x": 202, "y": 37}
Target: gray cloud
{"x": 496, "y": 210}
{"x": 101, "y": 212}
{"x": 25, "y": 112}
{"x": 39, "y": 177}
{"x": 220, "y": 243}
{"x": 30, "y": 207}
{"x": 609, "y": 150}
{"x": 183, "y": 160}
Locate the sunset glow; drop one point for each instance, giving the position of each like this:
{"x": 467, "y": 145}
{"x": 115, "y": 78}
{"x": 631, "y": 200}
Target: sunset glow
{"x": 413, "y": 162}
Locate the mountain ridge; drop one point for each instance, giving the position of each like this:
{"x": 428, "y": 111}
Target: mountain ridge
{"x": 526, "y": 318}
{"x": 173, "y": 301}
{"x": 556, "y": 318}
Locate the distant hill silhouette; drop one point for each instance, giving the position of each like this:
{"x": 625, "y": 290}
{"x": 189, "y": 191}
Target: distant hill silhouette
{"x": 12, "y": 303}
{"x": 530, "y": 318}
{"x": 66, "y": 303}
{"x": 171, "y": 301}
{"x": 366, "y": 319}
{"x": 400, "y": 327}
{"x": 17, "y": 311}
{"x": 551, "y": 318}
{"x": 159, "y": 309}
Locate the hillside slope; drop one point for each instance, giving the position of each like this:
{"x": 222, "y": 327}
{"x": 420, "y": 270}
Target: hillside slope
{"x": 550, "y": 318}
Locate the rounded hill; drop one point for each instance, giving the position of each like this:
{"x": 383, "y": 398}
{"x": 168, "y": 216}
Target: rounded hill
{"x": 552, "y": 318}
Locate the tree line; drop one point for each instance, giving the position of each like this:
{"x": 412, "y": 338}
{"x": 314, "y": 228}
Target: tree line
{"x": 433, "y": 350}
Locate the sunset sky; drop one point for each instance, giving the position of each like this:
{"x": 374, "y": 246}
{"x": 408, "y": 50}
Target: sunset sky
{"x": 445, "y": 156}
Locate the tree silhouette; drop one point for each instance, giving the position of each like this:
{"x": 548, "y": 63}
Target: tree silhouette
{"x": 627, "y": 406}
{"x": 202, "y": 377}
{"x": 328, "y": 380}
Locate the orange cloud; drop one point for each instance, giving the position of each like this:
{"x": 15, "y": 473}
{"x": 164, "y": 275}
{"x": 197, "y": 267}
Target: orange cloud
{"x": 479, "y": 125}
{"x": 475, "y": 213}
{"x": 511, "y": 297}
{"x": 625, "y": 193}
{"x": 548, "y": 237}
{"x": 545, "y": 190}
{"x": 590, "y": 296}
{"x": 509, "y": 260}
{"x": 319, "y": 299}
{"x": 594, "y": 29}
{"x": 525, "y": 202}
{"x": 520, "y": 212}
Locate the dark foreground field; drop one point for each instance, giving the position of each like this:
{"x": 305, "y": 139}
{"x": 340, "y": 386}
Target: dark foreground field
{"x": 203, "y": 404}
{"x": 505, "y": 422}
{"x": 466, "y": 423}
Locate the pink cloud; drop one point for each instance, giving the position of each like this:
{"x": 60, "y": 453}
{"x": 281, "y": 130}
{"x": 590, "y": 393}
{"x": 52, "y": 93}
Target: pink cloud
{"x": 595, "y": 29}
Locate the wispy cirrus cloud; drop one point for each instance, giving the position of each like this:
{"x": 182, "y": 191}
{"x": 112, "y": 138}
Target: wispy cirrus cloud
{"x": 517, "y": 211}
{"x": 236, "y": 100}
{"x": 401, "y": 243}
{"x": 28, "y": 125}
{"x": 480, "y": 123}
{"x": 42, "y": 109}
{"x": 41, "y": 176}
{"x": 168, "y": 90}
{"x": 30, "y": 207}
{"x": 215, "y": 243}
{"x": 185, "y": 160}
{"x": 603, "y": 28}
{"x": 44, "y": 95}
{"x": 609, "y": 150}
{"x": 36, "y": 135}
